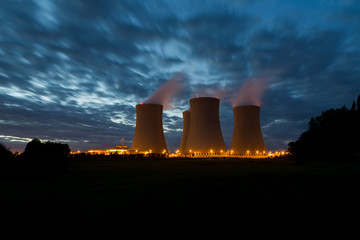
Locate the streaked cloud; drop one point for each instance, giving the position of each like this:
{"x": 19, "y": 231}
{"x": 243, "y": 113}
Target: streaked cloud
{"x": 74, "y": 70}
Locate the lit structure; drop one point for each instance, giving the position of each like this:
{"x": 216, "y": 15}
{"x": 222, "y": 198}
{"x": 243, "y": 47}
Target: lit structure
{"x": 204, "y": 134}
{"x": 247, "y": 137}
{"x": 278, "y": 153}
{"x": 186, "y": 126}
{"x": 117, "y": 150}
{"x": 149, "y": 134}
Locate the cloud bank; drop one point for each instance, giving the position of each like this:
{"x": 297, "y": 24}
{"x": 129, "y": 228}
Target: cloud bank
{"x": 74, "y": 70}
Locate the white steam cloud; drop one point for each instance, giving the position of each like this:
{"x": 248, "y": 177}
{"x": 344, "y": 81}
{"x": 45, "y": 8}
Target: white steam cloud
{"x": 168, "y": 91}
{"x": 211, "y": 91}
{"x": 251, "y": 91}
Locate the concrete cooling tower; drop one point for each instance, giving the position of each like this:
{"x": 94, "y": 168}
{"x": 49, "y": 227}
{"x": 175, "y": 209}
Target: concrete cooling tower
{"x": 186, "y": 126}
{"x": 205, "y": 134}
{"x": 149, "y": 134}
{"x": 247, "y": 138}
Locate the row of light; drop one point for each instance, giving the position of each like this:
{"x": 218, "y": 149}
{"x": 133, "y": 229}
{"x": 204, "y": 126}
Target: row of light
{"x": 211, "y": 151}
{"x": 150, "y": 151}
{"x": 247, "y": 152}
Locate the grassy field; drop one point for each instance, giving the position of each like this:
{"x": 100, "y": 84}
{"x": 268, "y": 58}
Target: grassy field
{"x": 184, "y": 198}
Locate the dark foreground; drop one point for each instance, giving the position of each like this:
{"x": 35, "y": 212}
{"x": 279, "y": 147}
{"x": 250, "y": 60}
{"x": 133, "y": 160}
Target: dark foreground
{"x": 180, "y": 199}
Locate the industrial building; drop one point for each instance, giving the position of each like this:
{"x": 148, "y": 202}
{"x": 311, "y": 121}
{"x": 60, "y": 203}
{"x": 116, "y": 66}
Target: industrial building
{"x": 185, "y": 133}
{"x": 247, "y": 138}
{"x": 117, "y": 150}
{"x": 203, "y": 134}
{"x": 149, "y": 134}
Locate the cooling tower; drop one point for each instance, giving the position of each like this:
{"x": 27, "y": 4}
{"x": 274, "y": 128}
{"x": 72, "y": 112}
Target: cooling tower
{"x": 247, "y": 137}
{"x": 149, "y": 134}
{"x": 205, "y": 134}
{"x": 186, "y": 126}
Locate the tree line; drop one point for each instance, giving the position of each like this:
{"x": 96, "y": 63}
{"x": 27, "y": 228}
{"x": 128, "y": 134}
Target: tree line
{"x": 332, "y": 136}
{"x": 38, "y": 158}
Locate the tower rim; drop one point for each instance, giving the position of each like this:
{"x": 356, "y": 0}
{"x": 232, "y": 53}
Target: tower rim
{"x": 195, "y": 98}
{"x": 248, "y": 105}
{"x": 147, "y": 104}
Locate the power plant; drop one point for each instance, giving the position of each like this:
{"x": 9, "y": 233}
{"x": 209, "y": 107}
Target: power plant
{"x": 203, "y": 135}
{"x": 149, "y": 134}
{"x": 247, "y": 137}
{"x": 186, "y": 126}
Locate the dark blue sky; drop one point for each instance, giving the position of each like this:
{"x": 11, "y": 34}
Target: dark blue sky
{"x": 72, "y": 71}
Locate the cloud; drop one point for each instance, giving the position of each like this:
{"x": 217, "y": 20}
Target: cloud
{"x": 74, "y": 70}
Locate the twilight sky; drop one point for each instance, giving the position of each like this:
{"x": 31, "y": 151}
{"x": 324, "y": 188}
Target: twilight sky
{"x": 72, "y": 71}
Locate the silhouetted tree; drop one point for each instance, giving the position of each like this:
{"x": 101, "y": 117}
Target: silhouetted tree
{"x": 334, "y": 136}
{"x": 34, "y": 150}
{"x": 46, "y": 157}
{"x": 5, "y": 153}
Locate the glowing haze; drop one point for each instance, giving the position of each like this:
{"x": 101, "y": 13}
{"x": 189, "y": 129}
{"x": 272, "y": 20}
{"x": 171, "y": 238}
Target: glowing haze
{"x": 251, "y": 91}
{"x": 168, "y": 91}
{"x": 212, "y": 91}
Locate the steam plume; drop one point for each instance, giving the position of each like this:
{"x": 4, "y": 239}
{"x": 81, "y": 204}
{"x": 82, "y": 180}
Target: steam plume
{"x": 211, "y": 91}
{"x": 251, "y": 91}
{"x": 166, "y": 92}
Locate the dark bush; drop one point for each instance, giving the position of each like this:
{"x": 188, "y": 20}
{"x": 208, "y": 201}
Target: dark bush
{"x": 5, "y": 153}
{"x": 45, "y": 158}
{"x": 6, "y": 161}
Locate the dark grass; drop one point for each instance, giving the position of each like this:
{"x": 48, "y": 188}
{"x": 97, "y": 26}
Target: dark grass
{"x": 184, "y": 198}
